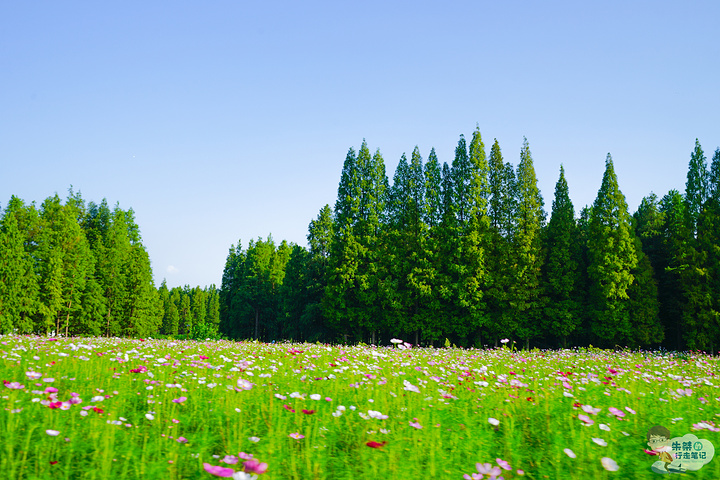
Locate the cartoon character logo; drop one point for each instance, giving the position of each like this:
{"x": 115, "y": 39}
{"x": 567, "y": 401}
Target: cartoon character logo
{"x": 679, "y": 454}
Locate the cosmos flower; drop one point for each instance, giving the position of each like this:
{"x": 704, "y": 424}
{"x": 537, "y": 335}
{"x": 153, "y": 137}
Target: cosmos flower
{"x": 254, "y": 466}
{"x": 587, "y": 421}
{"x": 609, "y": 464}
{"x": 569, "y": 453}
{"x": 493, "y": 421}
{"x": 218, "y": 471}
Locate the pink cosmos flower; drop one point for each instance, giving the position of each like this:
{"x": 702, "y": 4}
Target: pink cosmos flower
{"x": 617, "y": 412}
{"x": 296, "y": 435}
{"x": 487, "y": 469}
{"x": 230, "y": 459}
{"x": 13, "y": 385}
{"x": 254, "y": 466}
{"x": 416, "y": 424}
{"x": 590, "y": 409}
{"x": 308, "y": 412}
{"x": 503, "y": 464}
{"x": 182, "y": 439}
{"x": 218, "y": 471}
{"x": 586, "y": 420}
{"x": 179, "y": 400}
{"x": 243, "y": 384}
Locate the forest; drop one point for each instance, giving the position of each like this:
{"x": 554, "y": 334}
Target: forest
{"x": 461, "y": 253}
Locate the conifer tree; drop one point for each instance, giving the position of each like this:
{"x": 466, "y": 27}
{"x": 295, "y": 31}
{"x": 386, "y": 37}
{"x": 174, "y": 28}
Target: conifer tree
{"x": 355, "y": 297}
{"x": 672, "y": 262}
{"x": 525, "y": 295}
{"x": 561, "y": 269}
{"x": 18, "y": 282}
{"x": 612, "y": 258}
{"x": 433, "y": 191}
{"x": 696, "y": 187}
{"x": 502, "y": 207}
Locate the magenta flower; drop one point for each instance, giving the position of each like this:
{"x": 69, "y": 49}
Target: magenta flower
{"x": 179, "y": 400}
{"x": 254, "y": 466}
{"x": 218, "y": 471}
{"x": 182, "y": 439}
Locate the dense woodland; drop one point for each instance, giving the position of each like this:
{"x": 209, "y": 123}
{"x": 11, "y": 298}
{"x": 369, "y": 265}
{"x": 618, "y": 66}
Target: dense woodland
{"x": 461, "y": 252}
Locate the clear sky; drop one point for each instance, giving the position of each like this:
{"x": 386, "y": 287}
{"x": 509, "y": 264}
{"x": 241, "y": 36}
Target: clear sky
{"x": 230, "y": 120}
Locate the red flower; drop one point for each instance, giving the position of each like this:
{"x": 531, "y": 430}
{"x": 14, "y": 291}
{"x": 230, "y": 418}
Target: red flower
{"x": 308, "y": 412}
{"x": 374, "y": 444}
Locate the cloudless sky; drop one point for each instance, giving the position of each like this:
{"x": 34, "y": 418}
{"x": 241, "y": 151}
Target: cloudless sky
{"x": 230, "y": 120}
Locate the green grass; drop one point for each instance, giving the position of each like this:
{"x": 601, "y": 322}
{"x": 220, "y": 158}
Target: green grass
{"x": 459, "y": 390}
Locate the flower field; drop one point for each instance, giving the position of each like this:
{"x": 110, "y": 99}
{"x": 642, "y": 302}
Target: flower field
{"x": 98, "y": 408}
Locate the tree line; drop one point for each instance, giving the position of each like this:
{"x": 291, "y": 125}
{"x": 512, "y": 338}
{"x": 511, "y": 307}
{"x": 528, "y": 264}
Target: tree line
{"x": 81, "y": 269}
{"x": 465, "y": 252}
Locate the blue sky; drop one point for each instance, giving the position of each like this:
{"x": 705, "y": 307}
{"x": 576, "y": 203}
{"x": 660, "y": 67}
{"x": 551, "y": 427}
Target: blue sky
{"x": 227, "y": 120}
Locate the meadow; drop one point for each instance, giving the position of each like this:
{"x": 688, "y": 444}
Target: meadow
{"x": 107, "y": 408}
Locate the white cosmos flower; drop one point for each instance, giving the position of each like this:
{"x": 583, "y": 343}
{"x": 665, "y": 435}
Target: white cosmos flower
{"x": 410, "y": 387}
{"x": 150, "y": 416}
{"x": 600, "y": 442}
{"x": 493, "y": 421}
{"x": 609, "y": 464}
{"x": 569, "y": 453}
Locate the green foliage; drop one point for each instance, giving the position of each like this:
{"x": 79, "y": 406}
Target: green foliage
{"x": 562, "y": 267}
{"x": 525, "y": 290}
{"x": 612, "y": 258}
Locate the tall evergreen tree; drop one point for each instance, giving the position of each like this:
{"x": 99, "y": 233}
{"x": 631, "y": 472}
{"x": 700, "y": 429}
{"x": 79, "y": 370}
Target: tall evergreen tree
{"x": 612, "y": 258}
{"x": 672, "y": 262}
{"x": 18, "y": 282}
{"x": 696, "y": 187}
{"x": 561, "y": 269}
{"x": 354, "y": 300}
{"x": 433, "y": 190}
{"x": 526, "y": 298}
